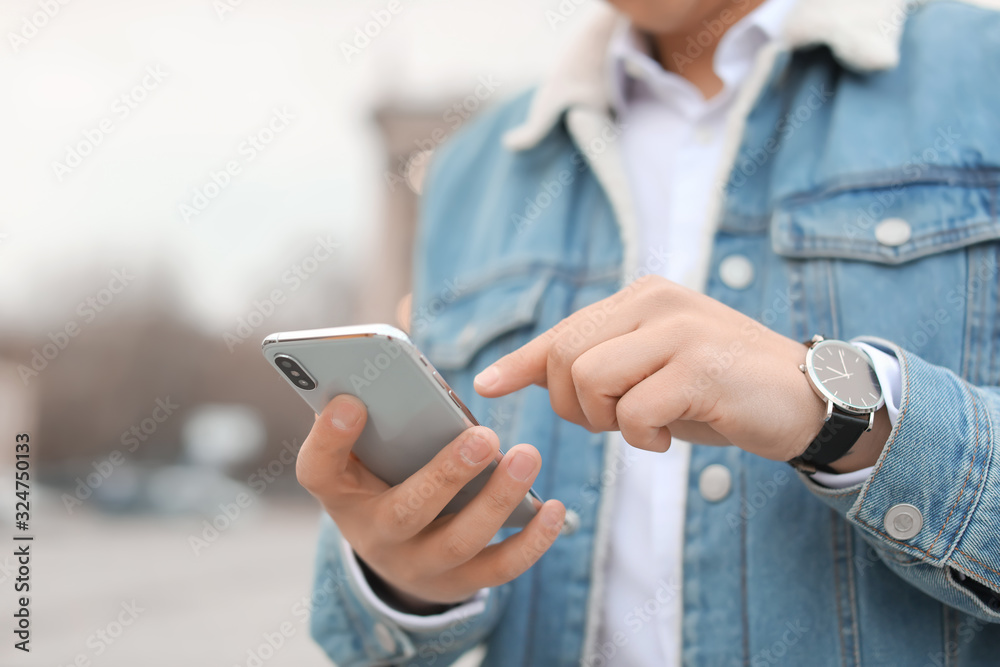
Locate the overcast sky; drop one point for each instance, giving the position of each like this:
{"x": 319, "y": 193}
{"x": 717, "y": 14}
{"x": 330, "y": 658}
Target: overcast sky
{"x": 117, "y": 113}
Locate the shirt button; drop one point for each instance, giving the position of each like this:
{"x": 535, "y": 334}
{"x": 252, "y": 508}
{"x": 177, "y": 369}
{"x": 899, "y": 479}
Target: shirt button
{"x": 903, "y": 521}
{"x": 384, "y": 638}
{"x": 736, "y": 271}
{"x": 893, "y": 232}
{"x": 714, "y": 482}
{"x": 571, "y": 523}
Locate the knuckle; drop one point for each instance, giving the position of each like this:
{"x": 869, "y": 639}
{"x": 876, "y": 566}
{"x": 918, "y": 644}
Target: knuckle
{"x": 457, "y": 547}
{"x": 584, "y": 374}
{"x": 498, "y": 502}
{"x": 450, "y": 475}
{"x": 395, "y": 513}
{"x": 628, "y": 412}
{"x": 562, "y": 353}
{"x": 562, "y": 408}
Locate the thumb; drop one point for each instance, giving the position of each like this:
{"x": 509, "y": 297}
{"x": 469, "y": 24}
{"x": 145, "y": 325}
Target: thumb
{"x": 326, "y": 451}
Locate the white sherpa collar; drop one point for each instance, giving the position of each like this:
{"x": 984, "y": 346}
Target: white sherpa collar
{"x": 862, "y": 34}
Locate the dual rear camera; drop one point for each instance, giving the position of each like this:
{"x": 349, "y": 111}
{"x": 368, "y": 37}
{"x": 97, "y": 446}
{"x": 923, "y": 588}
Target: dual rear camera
{"x": 294, "y": 372}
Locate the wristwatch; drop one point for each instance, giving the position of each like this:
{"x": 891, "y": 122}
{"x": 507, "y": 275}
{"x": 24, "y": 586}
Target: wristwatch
{"x": 842, "y": 375}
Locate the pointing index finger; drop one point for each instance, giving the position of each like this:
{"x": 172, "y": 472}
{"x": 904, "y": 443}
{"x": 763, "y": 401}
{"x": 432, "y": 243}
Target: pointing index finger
{"x": 522, "y": 367}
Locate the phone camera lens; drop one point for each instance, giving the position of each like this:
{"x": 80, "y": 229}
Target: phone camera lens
{"x": 294, "y": 372}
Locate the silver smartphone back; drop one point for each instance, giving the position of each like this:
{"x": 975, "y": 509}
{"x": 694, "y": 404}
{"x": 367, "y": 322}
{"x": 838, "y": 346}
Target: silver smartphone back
{"x": 412, "y": 412}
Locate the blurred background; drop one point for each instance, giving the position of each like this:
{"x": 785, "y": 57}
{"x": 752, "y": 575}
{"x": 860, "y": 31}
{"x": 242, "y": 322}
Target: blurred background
{"x": 181, "y": 178}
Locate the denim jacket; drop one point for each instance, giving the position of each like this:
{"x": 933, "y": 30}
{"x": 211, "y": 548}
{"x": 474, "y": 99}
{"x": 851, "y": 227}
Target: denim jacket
{"x": 863, "y": 185}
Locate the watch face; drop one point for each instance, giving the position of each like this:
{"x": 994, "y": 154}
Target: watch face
{"x": 844, "y": 373}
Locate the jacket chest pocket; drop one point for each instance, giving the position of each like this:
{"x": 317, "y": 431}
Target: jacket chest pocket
{"x": 916, "y": 263}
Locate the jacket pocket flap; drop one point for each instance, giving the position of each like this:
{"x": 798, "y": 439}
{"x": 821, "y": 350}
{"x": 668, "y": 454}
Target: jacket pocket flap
{"x": 451, "y": 331}
{"x": 888, "y": 224}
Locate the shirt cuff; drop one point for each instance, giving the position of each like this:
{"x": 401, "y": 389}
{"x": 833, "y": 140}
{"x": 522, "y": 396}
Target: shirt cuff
{"x": 890, "y": 379}
{"x": 410, "y": 622}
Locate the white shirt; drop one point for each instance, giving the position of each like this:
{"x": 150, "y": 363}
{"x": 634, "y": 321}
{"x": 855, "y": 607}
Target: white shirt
{"x": 671, "y": 146}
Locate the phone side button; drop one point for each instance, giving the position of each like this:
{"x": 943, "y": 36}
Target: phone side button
{"x": 461, "y": 406}
{"x": 444, "y": 385}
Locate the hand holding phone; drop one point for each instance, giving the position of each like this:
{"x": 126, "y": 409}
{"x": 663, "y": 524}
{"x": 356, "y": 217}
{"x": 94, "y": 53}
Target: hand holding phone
{"x": 397, "y": 526}
{"x": 396, "y": 530}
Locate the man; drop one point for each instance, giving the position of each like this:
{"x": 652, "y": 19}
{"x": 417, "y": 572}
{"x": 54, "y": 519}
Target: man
{"x": 646, "y": 247}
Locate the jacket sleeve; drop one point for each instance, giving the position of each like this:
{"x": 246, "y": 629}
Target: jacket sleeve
{"x": 942, "y": 458}
{"x": 353, "y": 633}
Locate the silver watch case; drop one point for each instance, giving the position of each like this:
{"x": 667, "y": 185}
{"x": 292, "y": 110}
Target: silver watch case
{"x": 832, "y": 401}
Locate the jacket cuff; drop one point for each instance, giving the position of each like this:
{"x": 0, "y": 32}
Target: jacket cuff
{"x": 937, "y": 459}
{"x": 354, "y": 633}
{"x": 410, "y": 622}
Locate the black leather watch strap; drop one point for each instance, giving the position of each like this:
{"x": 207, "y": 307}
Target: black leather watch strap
{"x": 835, "y": 439}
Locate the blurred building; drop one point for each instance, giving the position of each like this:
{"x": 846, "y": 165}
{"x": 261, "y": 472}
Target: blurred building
{"x": 410, "y": 134}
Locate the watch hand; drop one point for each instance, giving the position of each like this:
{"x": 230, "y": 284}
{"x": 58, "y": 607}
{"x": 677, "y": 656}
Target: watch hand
{"x": 842, "y": 362}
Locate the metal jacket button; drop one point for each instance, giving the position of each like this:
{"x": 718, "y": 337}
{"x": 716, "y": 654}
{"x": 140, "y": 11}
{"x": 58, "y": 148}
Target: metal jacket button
{"x": 715, "y": 482}
{"x": 893, "y": 232}
{"x": 903, "y": 521}
{"x": 736, "y": 272}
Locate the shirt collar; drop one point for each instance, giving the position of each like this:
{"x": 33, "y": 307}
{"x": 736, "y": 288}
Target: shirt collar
{"x": 631, "y": 68}
{"x": 862, "y": 34}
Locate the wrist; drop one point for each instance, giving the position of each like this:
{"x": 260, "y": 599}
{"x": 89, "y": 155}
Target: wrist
{"x": 869, "y": 446}
{"x": 398, "y": 599}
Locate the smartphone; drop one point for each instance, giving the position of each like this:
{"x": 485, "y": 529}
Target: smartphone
{"x": 412, "y": 412}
